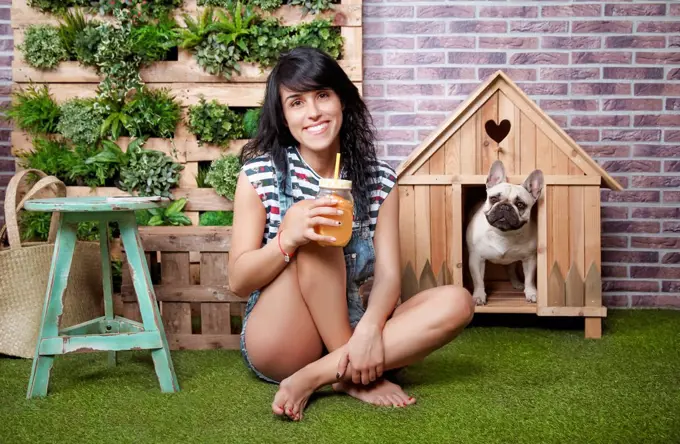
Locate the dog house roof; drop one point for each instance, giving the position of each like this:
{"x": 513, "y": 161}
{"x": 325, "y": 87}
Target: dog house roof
{"x": 499, "y": 81}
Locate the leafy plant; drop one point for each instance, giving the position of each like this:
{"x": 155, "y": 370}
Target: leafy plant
{"x": 53, "y": 157}
{"x": 267, "y": 41}
{"x": 153, "y": 113}
{"x": 56, "y": 6}
{"x": 87, "y": 41}
{"x": 80, "y": 122}
{"x": 70, "y": 28}
{"x": 153, "y": 41}
{"x": 42, "y": 47}
{"x": 214, "y": 123}
{"x": 223, "y": 175}
{"x": 267, "y": 5}
{"x": 91, "y": 174}
{"x": 148, "y": 172}
{"x": 251, "y": 121}
{"x": 171, "y": 215}
{"x": 201, "y": 176}
{"x": 197, "y": 31}
{"x": 216, "y": 218}
{"x": 34, "y": 110}
{"x": 312, "y": 6}
{"x": 34, "y": 226}
{"x": 319, "y": 34}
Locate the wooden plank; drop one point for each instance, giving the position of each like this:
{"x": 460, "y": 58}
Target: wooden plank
{"x": 509, "y": 152}
{"x": 422, "y": 226}
{"x": 543, "y": 154}
{"x": 421, "y": 178}
{"x": 542, "y": 249}
{"x": 187, "y": 177}
{"x": 427, "y": 278}
{"x": 196, "y": 153}
{"x": 457, "y": 239}
{"x": 407, "y": 223}
{"x": 597, "y": 312}
{"x": 203, "y": 342}
{"x": 561, "y": 237}
{"x": 593, "y": 328}
{"x": 487, "y": 147}
{"x": 592, "y": 239}
{"x": 215, "y": 317}
{"x": 437, "y": 214}
{"x": 175, "y": 271}
{"x": 574, "y": 288}
{"x": 188, "y": 293}
{"x": 576, "y": 229}
{"x": 198, "y": 199}
{"x": 479, "y": 179}
{"x": 468, "y": 146}
{"x": 593, "y": 287}
{"x": 186, "y": 239}
{"x": 452, "y": 155}
{"x": 528, "y": 151}
{"x": 409, "y": 283}
{"x": 556, "y": 291}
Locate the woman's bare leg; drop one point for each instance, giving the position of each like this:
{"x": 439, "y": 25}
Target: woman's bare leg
{"x": 419, "y": 326}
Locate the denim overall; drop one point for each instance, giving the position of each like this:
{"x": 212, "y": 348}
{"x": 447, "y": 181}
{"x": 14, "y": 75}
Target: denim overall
{"x": 359, "y": 264}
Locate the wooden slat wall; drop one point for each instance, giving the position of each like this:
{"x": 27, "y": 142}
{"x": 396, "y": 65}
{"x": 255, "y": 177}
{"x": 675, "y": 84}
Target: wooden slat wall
{"x": 486, "y": 145}
{"x": 510, "y": 153}
{"x": 438, "y": 235}
{"x": 453, "y": 211}
{"x": 591, "y": 238}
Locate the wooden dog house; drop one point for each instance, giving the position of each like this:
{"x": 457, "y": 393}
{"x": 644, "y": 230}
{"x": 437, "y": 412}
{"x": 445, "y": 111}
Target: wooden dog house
{"x": 446, "y": 175}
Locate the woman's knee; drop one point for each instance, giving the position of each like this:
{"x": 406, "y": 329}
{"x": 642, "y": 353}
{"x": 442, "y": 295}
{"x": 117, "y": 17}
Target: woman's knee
{"x": 277, "y": 357}
{"x": 454, "y": 306}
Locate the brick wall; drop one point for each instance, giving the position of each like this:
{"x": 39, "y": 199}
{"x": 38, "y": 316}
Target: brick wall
{"x": 607, "y": 71}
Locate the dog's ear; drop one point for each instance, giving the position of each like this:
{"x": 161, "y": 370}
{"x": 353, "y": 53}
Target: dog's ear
{"x": 496, "y": 174}
{"x": 534, "y": 183}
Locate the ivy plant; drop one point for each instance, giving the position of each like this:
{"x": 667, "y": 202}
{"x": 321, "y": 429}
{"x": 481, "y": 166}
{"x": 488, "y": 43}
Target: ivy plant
{"x": 80, "y": 121}
{"x": 148, "y": 172}
{"x": 319, "y": 34}
{"x": 34, "y": 111}
{"x": 214, "y": 123}
{"x": 312, "y": 6}
{"x": 223, "y": 175}
{"x": 42, "y": 47}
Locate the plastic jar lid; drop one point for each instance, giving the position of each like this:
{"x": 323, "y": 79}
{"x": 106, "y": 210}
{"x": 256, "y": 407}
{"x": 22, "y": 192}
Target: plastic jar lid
{"x": 336, "y": 184}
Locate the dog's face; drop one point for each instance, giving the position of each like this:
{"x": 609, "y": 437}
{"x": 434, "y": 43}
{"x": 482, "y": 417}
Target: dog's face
{"x": 508, "y": 207}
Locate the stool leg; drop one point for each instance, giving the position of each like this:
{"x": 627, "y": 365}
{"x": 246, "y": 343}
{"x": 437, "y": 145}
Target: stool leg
{"x": 107, "y": 278}
{"x": 53, "y": 306}
{"x": 148, "y": 306}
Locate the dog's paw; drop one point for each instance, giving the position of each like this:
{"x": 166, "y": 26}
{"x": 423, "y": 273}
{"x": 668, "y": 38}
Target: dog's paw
{"x": 530, "y": 295}
{"x": 479, "y": 297}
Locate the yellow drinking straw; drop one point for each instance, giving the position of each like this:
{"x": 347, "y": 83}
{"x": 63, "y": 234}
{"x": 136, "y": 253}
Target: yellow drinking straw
{"x": 337, "y": 166}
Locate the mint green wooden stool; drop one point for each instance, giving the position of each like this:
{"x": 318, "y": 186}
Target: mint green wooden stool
{"x": 108, "y": 333}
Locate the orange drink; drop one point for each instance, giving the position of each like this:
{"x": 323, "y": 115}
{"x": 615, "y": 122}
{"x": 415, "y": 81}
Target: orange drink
{"x": 340, "y": 190}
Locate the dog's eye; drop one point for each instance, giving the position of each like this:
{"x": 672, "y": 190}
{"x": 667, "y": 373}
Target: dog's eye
{"x": 521, "y": 205}
{"x": 494, "y": 199}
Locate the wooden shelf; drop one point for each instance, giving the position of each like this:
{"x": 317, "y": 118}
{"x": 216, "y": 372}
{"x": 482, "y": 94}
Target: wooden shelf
{"x": 506, "y": 302}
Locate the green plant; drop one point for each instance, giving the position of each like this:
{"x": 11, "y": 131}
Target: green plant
{"x": 70, "y": 28}
{"x": 53, "y": 157}
{"x": 267, "y": 41}
{"x": 312, "y": 6}
{"x": 152, "y": 41}
{"x": 214, "y": 123}
{"x": 251, "y": 120}
{"x": 88, "y": 173}
{"x": 34, "y": 226}
{"x": 216, "y": 218}
{"x": 171, "y": 215}
{"x": 34, "y": 110}
{"x": 201, "y": 176}
{"x": 79, "y": 121}
{"x": 148, "y": 172}
{"x": 319, "y": 34}
{"x": 153, "y": 113}
{"x": 267, "y": 5}
{"x": 56, "y": 6}
{"x": 223, "y": 175}
{"x": 197, "y": 31}
{"x": 42, "y": 47}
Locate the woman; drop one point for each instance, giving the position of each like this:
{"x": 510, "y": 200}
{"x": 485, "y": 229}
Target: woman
{"x": 306, "y": 325}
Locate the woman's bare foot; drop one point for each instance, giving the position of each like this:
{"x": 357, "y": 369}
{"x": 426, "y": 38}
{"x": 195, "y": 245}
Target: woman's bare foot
{"x": 382, "y": 392}
{"x": 293, "y": 394}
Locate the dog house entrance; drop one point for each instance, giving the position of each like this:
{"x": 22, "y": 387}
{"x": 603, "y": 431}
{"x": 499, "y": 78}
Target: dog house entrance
{"x": 501, "y": 296}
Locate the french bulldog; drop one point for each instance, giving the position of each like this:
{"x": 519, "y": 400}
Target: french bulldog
{"x": 502, "y": 231}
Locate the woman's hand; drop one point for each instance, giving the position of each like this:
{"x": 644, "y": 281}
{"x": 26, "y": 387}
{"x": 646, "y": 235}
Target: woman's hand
{"x": 365, "y": 353}
{"x": 297, "y": 227}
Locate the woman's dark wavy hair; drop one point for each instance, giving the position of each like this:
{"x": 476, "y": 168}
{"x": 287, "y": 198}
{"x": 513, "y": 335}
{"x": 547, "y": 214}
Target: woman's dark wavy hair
{"x": 306, "y": 69}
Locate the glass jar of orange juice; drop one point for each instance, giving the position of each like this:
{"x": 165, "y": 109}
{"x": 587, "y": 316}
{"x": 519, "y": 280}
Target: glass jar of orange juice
{"x": 341, "y": 190}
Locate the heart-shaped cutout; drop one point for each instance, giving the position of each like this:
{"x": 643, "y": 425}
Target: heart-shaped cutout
{"x": 497, "y": 132}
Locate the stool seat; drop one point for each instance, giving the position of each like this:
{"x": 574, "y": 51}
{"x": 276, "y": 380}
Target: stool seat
{"x": 96, "y": 204}
{"x": 109, "y": 332}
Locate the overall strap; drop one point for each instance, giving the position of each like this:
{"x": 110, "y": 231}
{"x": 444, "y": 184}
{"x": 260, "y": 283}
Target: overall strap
{"x": 285, "y": 186}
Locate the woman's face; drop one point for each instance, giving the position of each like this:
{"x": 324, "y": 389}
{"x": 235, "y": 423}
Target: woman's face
{"x": 314, "y": 118}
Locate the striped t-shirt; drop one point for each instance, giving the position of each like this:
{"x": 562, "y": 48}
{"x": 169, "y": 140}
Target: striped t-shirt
{"x": 305, "y": 185}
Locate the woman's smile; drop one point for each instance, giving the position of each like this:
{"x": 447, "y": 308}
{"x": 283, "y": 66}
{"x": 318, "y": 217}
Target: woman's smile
{"x": 318, "y": 128}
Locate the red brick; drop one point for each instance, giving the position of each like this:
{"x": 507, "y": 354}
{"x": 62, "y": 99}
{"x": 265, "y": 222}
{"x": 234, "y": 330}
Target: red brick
{"x": 607, "y": 150}
{"x": 670, "y": 286}
{"x": 570, "y": 73}
{"x": 5, "y": 150}
{"x": 4, "y": 14}
{"x": 656, "y": 181}
{"x": 632, "y": 166}
{"x": 633, "y": 73}
{"x": 477, "y": 58}
{"x": 610, "y": 212}
{"x": 416, "y": 119}
{"x": 674, "y": 41}
{"x": 400, "y": 150}
{"x": 388, "y": 11}
{"x": 671, "y": 136}
{"x": 632, "y": 104}
{"x": 632, "y": 135}
{"x": 508, "y": 11}
{"x": 539, "y": 58}
{"x": 656, "y": 213}
{"x": 461, "y": 89}
{"x": 389, "y": 43}
{"x": 446, "y": 42}
{"x": 516, "y": 74}
{"x": 622, "y": 180}
{"x": 373, "y": 59}
{"x": 630, "y": 196}
{"x": 599, "y": 121}
{"x": 672, "y": 166}
{"x": 635, "y": 10}
{"x": 630, "y": 227}
{"x": 379, "y": 105}
{"x": 419, "y": 27}
{"x": 672, "y": 104}
{"x": 675, "y": 10}
{"x": 415, "y": 90}
{"x": 614, "y": 271}
{"x": 583, "y": 135}
{"x": 615, "y": 301}
{"x": 601, "y": 57}
{"x": 438, "y": 105}
{"x": 7, "y": 45}
{"x": 5, "y": 30}
{"x": 379, "y": 120}
{"x": 656, "y": 151}
{"x": 582, "y": 42}
{"x": 673, "y": 74}
{"x": 569, "y": 105}
{"x": 478, "y": 27}
{"x": 416, "y": 58}
{"x": 657, "y": 89}
{"x": 508, "y": 43}
{"x": 374, "y": 28}
{"x": 393, "y": 135}
{"x": 388, "y": 74}
{"x": 671, "y": 196}
{"x": 635, "y": 41}
{"x": 665, "y": 27}
{"x": 544, "y": 89}
{"x": 446, "y": 73}
{"x": 655, "y": 301}
{"x": 615, "y": 241}
{"x": 671, "y": 227}
{"x": 572, "y": 11}
{"x": 661, "y": 243}
{"x": 5, "y": 74}
{"x": 648, "y": 272}
{"x": 625, "y": 286}
{"x": 657, "y": 120}
{"x": 559, "y": 119}
{"x": 424, "y": 134}
{"x": 658, "y": 58}
{"x": 446, "y": 11}
{"x": 601, "y": 26}
{"x": 539, "y": 26}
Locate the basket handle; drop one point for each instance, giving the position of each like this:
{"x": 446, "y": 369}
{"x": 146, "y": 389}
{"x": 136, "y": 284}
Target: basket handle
{"x": 11, "y": 207}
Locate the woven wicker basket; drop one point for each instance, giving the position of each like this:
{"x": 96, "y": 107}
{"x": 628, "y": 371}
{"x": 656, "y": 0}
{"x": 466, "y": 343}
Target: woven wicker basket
{"x": 24, "y": 272}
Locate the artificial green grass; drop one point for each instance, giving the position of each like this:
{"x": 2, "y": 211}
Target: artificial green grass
{"x": 494, "y": 384}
